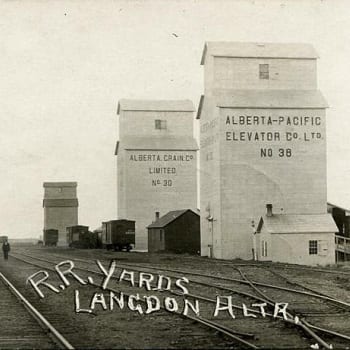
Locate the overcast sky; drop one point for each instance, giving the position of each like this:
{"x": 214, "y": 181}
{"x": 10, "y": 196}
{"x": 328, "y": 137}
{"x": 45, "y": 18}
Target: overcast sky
{"x": 65, "y": 65}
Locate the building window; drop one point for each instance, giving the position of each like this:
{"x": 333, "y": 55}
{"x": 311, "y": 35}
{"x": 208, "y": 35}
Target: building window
{"x": 161, "y": 235}
{"x": 312, "y": 247}
{"x": 210, "y": 156}
{"x": 160, "y": 124}
{"x": 263, "y": 248}
{"x": 263, "y": 71}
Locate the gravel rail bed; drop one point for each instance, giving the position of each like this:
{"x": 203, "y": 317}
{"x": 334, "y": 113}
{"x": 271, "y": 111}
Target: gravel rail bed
{"x": 265, "y": 330}
{"x": 19, "y": 329}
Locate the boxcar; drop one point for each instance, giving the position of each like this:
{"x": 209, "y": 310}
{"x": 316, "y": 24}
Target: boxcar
{"x": 118, "y": 234}
{"x": 3, "y": 239}
{"x": 50, "y": 237}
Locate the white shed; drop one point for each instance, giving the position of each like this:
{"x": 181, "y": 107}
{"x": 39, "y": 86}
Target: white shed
{"x": 296, "y": 239}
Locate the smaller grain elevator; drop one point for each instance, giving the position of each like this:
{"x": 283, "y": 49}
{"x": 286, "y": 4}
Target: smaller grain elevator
{"x": 60, "y": 207}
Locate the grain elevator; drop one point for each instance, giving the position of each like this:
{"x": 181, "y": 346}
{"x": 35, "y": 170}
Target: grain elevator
{"x": 156, "y": 161}
{"x": 262, "y": 140}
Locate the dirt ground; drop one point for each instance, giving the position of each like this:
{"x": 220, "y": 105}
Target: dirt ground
{"x": 127, "y": 329}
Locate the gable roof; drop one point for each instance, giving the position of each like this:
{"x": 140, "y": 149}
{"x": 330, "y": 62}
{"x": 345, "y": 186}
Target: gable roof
{"x": 258, "y": 50}
{"x": 168, "y": 218}
{"x": 295, "y": 223}
{"x": 155, "y": 105}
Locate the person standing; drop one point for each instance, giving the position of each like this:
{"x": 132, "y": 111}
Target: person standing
{"x": 6, "y": 248}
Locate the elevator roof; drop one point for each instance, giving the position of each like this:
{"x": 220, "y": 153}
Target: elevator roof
{"x": 155, "y": 105}
{"x": 258, "y": 50}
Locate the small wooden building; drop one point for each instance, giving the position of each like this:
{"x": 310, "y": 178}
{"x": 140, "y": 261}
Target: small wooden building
{"x": 177, "y": 231}
{"x": 296, "y": 239}
{"x": 341, "y": 217}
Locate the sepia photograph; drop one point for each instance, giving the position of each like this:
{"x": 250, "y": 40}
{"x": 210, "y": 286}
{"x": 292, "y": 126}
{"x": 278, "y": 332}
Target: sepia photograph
{"x": 175, "y": 174}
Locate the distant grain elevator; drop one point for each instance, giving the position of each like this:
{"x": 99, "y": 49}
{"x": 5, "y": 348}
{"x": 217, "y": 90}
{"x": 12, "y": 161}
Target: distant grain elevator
{"x": 60, "y": 207}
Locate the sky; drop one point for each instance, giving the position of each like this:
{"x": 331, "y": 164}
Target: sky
{"x": 65, "y": 64}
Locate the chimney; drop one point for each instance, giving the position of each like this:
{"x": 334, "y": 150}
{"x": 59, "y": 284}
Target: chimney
{"x": 157, "y": 215}
{"x": 269, "y": 210}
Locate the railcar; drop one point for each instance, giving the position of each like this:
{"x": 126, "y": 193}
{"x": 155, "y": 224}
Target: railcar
{"x": 3, "y": 239}
{"x": 79, "y": 236}
{"x": 50, "y": 237}
{"x": 118, "y": 234}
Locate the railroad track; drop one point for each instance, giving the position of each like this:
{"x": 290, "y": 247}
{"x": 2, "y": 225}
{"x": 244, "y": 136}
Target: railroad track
{"x": 22, "y": 325}
{"x": 210, "y": 289}
{"x": 284, "y": 286}
{"x": 230, "y": 336}
{"x": 274, "y": 265}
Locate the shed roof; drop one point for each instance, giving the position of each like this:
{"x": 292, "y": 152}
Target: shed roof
{"x": 295, "y": 223}
{"x": 258, "y": 50}
{"x": 78, "y": 226}
{"x": 73, "y": 202}
{"x": 273, "y": 99}
{"x": 268, "y": 99}
{"x": 168, "y": 218}
{"x": 331, "y": 205}
{"x": 168, "y": 143}
{"x": 60, "y": 184}
{"x": 155, "y": 105}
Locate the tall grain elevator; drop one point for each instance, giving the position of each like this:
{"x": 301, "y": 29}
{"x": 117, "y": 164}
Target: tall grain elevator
{"x": 156, "y": 161}
{"x": 60, "y": 207}
{"x": 262, "y": 140}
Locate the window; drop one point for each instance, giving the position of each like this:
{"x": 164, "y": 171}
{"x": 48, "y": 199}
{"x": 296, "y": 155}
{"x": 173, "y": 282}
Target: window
{"x": 263, "y": 248}
{"x": 263, "y": 71}
{"x": 161, "y": 235}
{"x": 160, "y": 124}
{"x": 312, "y": 247}
{"x": 323, "y": 248}
{"x": 210, "y": 156}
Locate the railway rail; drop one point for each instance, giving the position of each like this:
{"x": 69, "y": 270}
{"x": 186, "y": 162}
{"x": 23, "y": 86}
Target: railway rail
{"x": 302, "y": 325}
{"x": 32, "y": 329}
{"x": 303, "y": 290}
{"x": 234, "y": 336}
{"x": 330, "y": 270}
